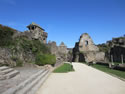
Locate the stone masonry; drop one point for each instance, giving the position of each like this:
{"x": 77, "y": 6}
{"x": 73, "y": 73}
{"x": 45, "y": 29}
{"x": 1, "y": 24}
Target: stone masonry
{"x": 59, "y": 51}
{"x": 37, "y": 32}
{"x": 86, "y": 44}
{"x": 117, "y": 49}
{"x": 86, "y": 50}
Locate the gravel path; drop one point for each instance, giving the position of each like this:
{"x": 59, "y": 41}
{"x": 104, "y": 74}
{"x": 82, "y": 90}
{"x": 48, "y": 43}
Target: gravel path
{"x": 85, "y": 80}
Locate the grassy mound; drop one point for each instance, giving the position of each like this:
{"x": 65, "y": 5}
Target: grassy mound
{"x": 106, "y": 69}
{"x": 64, "y": 68}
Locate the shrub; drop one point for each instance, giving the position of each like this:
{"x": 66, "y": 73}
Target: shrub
{"x": 43, "y": 59}
{"x": 22, "y": 44}
{"x": 19, "y": 62}
{"x": 37, "y": 47}
{"x": 6, "y": 34}
{"x": 103, "y": 47}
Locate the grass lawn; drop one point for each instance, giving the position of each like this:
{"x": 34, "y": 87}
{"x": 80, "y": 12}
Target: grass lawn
{"x": 103, "y": 68}
{"x": 64, "y": 68}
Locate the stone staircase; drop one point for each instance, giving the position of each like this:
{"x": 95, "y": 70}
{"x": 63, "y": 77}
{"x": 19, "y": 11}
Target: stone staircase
{"x": 7, "y": 73}
{"x": 30, "y": 85}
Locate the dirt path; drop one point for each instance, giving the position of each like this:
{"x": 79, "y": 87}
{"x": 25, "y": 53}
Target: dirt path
{"x": 85, "y": 80}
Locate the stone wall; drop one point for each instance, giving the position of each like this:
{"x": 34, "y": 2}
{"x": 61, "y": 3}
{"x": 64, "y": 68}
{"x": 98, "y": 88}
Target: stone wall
{"x": 86, "y": 43}
{"x": 62, "y": 48}
{"x": 15, "y": 54}
{"x": 36, "y": 33}
{"x": 115, "y": 49}
{"x": 92, "y": 56}
{"x": 69, "y": 54}
{"x": 5, "y": 57}
{"x": 11, "y": 58}
{"x": 120, "y": 41}
{"x": 59, "y": 51}
{"x": 118, "y": 53}
{"x": 86, "y": 51}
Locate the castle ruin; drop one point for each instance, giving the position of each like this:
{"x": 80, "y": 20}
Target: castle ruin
{"x": 59, "y": 51}
{"x": 86, "y": 50}
{"x": 37, "y": 32}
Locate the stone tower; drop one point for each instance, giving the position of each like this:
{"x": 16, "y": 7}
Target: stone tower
{"x": 37, "y": 32}
{"x": 62, "y": 48}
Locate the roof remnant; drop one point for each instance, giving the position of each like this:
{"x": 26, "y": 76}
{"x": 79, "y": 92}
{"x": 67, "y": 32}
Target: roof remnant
{"x": 34, "y": 24}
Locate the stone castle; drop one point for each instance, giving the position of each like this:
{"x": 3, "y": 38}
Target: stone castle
{"x": 117, "y": 49}
{"x": 60, "y": 51}
{"x": 37, "y": 32}
{"x": 86, "y": 51}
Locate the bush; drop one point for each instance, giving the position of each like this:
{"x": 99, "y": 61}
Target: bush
{"x": 103, "y": 47}
{"x": 22, "y": 44}
{"x": 43, "y": 59}
{"x": 34, "y": 46}
{"x": 6, "y": 34}
{"x": 37, "y": 47}
{"x": 19, "y": 62}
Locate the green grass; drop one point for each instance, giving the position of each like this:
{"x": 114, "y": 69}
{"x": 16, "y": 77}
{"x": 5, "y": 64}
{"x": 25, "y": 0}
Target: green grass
{"x": 64, "y": 68}
{"x": 106, "y": 69}
{"x": 116, "y": 63}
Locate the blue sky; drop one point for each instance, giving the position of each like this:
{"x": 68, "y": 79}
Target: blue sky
{"x": 66, "y": 20}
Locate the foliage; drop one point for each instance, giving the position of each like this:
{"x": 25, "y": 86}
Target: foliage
{"x": 34, "y": 46}
{"x": 110, "y": 71}
{"x": 22, "y": 44}
{"x": 40, "y": 51}
{"x": 64, "y": 68}
{"x": 19, "y": 62}
{"x": 103, "y": 47}
{"x": 3, "y": 65}
{"x": 122, "y": 37}
{"x": 6, "y": 34}
{"x": 42, "y": 59}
